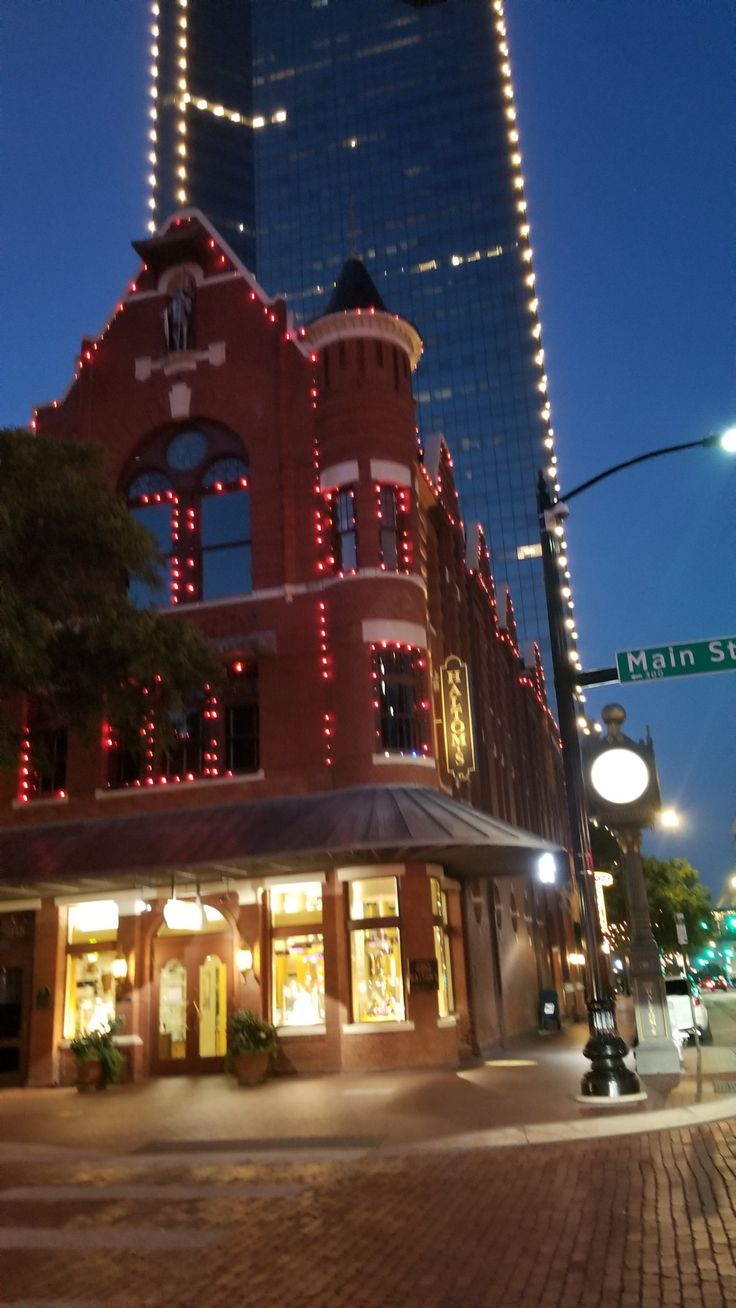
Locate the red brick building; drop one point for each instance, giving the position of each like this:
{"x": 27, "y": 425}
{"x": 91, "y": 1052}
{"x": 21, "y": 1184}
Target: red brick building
{"x": 341, "y": 837}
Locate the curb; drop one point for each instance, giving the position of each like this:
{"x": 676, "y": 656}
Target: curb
{"x": 505, "y": 1137}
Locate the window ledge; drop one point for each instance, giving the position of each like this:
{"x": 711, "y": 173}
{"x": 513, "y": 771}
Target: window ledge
{"x": 122, "y": 1041}
{"x": 371, "y": 574}
{"x": 175, "y": 786}
{"x": 286, "y": 1032}
{"x": 46, "y": 801}
{"x": 375, "y": 1028}
{"x": 450, "y": 1020}
{"x": 418, "y": 760}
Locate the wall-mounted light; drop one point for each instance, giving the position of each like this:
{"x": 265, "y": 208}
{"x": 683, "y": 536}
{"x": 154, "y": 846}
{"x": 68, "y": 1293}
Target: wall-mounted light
{"x": 119, "y": 967}
{"x": 547, "y": 869}
{"x": 245, "y": 962}
{"x": 576, "y": 960}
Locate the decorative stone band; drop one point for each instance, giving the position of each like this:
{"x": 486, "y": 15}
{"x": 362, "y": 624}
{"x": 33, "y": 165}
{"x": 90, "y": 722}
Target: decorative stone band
{"x": 339, "y": 474}
{"x": 386, "y": 327}
{"x": 393, "y": 632}
{"x": 394, "y": 474}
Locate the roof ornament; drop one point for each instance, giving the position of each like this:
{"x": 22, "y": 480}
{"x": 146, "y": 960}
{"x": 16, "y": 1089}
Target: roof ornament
{"x": 177, "y": 317}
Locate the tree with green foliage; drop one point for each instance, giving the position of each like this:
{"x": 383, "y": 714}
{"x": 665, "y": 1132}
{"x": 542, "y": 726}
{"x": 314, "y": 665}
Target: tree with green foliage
{"x": 70, "y": 638}
{"x": 673, "y": 886}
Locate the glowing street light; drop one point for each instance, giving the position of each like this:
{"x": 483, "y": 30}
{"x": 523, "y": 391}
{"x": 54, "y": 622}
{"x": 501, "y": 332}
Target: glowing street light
{"x": 669, "y": 819}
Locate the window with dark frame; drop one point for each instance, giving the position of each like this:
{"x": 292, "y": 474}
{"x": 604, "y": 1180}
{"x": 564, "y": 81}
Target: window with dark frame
{"x": 47, "y": 756}
{"x": 393, "y": 529}
{"x": 399, "y": 682}
{"x": 241, "y": 751}
{"x": 185, "y": 753}
{"x": 219, "y": 738}
{"x": 225, "y": 530}
{"x": 343, "y": 529}
{"x": 389, "y": 528}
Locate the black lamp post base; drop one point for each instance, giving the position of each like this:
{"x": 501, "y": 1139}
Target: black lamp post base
{"x": 611, "y": 1101}
{"x": 608, "y": 1076}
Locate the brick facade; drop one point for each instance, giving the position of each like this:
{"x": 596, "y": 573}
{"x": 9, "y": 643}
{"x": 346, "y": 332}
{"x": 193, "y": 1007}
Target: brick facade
{"x": 317, "y": 414}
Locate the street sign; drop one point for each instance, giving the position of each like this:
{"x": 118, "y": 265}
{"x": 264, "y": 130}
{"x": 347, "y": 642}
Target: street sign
{"x": 689, "y": 660}
{"x": 681, "y": 929}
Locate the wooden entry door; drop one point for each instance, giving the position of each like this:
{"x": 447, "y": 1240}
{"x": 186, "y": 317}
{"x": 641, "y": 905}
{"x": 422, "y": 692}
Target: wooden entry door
{"x": 16, "y": 966}
{"x": 15, "y": 985}
{"x": 192, "y": 985}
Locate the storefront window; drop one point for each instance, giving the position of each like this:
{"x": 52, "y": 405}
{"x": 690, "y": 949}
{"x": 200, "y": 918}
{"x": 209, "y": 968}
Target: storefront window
{"x": 445, "y": 996}
{"x": 298, "y": 981}
{"x": 375, "y": 951}
{"x": 91, "y": 952}
{"x": 90, "y": 993}
{"x": 297, "y": 955}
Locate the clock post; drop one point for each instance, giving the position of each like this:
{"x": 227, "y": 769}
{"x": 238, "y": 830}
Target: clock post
{"x": 623, "y": 792}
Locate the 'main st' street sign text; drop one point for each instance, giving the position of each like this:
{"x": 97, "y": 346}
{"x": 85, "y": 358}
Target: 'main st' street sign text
{"x": 677, "y": 660}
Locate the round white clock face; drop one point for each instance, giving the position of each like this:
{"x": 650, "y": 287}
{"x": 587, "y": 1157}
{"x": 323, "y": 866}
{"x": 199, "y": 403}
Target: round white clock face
{"x": 619, "y": 776}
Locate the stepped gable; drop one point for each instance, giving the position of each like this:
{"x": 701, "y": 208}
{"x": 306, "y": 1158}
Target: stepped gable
{"x": 510, "y": 622}
{"x": 445, "y": 482}
{"x": 539, "y": 675}
{"x": 478, "y": 559}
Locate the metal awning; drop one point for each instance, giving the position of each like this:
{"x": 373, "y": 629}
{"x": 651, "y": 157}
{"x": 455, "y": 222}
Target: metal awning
{"x": 297, "y": 833}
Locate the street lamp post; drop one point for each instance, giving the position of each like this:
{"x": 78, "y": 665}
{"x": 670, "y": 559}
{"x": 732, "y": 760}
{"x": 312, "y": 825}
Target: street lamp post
{"x": 608, "y": 1077}
{"x": 621, "y": 781}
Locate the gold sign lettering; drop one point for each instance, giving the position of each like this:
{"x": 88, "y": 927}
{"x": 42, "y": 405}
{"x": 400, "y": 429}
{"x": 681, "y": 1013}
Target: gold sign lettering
{"x": 457, "y": 718}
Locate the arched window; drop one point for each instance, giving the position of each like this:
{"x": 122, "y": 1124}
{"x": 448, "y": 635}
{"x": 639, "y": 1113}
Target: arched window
{"x": 198, "y": 512}
{"x": 225, "y": 529}
{"x": 151, "y": 500}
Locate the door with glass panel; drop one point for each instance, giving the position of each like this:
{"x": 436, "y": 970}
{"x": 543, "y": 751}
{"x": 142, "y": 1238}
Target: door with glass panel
{"x": 190, "y": 1002}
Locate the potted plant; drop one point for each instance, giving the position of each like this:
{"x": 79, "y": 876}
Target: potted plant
{"x": 250, "y": 1043}
{"x": 98, "y": 1060}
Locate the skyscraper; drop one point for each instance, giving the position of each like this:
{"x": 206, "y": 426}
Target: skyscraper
{"x": 308, "y": 129}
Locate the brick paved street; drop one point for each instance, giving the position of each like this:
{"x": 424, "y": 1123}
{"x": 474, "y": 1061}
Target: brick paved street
{"x": 643, "y": 1221}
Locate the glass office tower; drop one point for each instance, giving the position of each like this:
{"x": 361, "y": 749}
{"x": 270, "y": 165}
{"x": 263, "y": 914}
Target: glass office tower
{"x": 312, "y": 129}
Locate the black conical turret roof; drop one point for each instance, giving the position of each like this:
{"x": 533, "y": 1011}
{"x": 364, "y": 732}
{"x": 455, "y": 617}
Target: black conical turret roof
{"x": 354, "y": 289}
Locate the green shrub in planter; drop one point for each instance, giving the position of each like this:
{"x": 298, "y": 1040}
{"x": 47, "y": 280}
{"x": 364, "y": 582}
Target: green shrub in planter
{"x": 98, "y": 1047}
{"x": 247, "y": 1033}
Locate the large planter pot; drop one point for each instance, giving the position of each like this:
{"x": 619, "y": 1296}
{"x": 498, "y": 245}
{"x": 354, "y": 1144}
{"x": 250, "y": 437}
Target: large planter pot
{"x": 90, "y": 1075}
{"x": 251, "y": 1067}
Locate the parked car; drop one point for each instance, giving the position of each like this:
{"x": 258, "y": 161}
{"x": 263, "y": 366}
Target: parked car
{"x": 715, "y": 983}
{"x": 681, "y": 1013}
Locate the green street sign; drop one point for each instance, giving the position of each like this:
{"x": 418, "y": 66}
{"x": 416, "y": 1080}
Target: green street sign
{"x": 677, "y": 660}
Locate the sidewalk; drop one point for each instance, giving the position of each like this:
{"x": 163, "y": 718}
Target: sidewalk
{"x": 523, "y": 1095}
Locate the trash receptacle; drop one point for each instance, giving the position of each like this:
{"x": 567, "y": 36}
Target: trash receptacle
{"x": 549, "y": 1011}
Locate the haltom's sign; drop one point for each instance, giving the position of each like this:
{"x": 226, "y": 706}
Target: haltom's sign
{"x": 457, "y": 718}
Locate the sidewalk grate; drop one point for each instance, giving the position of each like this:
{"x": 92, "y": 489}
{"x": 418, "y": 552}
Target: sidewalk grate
{"x": 725, "y": 1087}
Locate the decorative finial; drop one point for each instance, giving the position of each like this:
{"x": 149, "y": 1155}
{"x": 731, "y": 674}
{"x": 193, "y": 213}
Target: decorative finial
{"x": 614, "y": 715}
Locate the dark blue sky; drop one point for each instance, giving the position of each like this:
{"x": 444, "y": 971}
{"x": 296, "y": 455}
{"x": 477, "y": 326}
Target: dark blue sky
{"x": 626, "y": 120}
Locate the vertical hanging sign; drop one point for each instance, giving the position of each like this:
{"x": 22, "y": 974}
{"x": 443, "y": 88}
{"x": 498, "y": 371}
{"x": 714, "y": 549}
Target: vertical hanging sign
{"x": 457, "y": 718}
